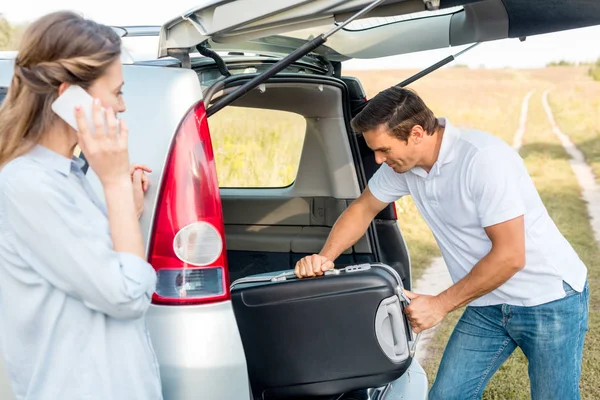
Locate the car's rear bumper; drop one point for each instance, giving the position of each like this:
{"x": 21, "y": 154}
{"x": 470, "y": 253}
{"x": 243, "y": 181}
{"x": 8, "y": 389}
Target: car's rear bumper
{"x": 199, "y": 351}
{"x": 412, "y": 385}
{"x": 201, "y": 356}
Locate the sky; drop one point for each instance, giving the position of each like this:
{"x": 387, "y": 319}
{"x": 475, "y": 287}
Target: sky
{"x": 579, "y": 45}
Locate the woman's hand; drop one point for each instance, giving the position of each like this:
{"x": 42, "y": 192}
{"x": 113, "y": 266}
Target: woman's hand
{"x": 105, "y": 150}
{"x": 144, "y": 169}
{"x": 140, "y": 185}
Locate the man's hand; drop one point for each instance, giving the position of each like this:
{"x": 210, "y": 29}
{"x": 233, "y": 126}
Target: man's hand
{"x": 314, "y": 265}
{"x": 140, "y": 185}
{"x": 424, "y": 311}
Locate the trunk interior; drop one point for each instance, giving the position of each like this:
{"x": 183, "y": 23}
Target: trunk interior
{"x": 269, "y": 229}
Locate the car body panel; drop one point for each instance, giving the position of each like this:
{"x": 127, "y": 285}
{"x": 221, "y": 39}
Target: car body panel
{"x": 412, "y": 385}
{"x": 199, "y": 351}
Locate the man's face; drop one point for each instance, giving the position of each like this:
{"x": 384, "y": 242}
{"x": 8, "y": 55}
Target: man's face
{"x": 401, "y": 156}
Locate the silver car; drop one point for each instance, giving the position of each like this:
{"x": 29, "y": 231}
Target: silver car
{"x": 185, "y": 108}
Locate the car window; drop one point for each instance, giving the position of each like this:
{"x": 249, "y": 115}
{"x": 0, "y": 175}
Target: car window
{"x": 3, "y": 91}
{"x": 257, "y": 148}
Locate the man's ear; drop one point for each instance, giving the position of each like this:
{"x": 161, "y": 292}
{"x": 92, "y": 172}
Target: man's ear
{"x": 417, "y": 133}
{"x": 63, "y": 86}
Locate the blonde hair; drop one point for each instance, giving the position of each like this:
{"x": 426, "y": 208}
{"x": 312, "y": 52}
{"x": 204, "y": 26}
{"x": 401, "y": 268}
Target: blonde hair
{"x": 61, "y": 47}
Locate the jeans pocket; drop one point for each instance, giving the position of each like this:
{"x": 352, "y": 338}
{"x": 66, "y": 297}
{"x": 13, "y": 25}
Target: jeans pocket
{"x": 568, "y": 289}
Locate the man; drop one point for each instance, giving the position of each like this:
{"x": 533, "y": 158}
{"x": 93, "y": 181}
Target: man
{"x": 522, "y": 281}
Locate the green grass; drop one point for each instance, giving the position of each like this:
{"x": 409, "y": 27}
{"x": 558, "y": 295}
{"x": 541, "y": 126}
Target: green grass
{"x": 257, "y": 148}
{"x": 594, "y": 70}
{"x": 548, "y": 164}
{"x": 576, "y": 108}
{"x": 421, "y": 244}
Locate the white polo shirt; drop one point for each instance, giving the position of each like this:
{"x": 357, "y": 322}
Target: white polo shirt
{"x": 478, "y": 181}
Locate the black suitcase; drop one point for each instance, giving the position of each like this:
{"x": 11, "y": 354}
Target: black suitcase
{"x": 323, "y": 336}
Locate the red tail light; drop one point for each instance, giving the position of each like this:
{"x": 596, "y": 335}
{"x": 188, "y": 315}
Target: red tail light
{"x": 187, "y": 247}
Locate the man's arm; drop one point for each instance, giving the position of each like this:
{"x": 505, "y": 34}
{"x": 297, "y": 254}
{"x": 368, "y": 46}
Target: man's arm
{"x": 494, "y": 181}
{"x": 348, "y": 229}
{"x": 506, "y": 258}
{"x": 352, "y": 224}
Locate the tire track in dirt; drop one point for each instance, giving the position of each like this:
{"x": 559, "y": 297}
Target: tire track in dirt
{"x": 518, "y": 139}
{"x": 590, "y": 190}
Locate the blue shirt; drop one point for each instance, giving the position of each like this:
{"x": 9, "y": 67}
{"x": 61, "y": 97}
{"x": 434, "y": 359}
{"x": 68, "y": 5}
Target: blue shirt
{"x": 72, "y": 309}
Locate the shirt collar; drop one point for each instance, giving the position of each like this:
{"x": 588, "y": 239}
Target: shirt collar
{"x": 51, "y": 159}
{"x": 446, "y": 154}
{"x": 451, "y": 133}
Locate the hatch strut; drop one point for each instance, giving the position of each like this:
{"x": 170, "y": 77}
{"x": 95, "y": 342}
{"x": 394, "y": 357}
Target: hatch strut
{"x": 284, "y": 62}
{"x": 421, "y": 74}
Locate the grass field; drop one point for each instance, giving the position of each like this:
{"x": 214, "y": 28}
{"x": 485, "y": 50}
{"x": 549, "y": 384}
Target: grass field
{"x": 263, "y": 151}
{"x": 485, "y": 99}
{"x": 576, "y": 108}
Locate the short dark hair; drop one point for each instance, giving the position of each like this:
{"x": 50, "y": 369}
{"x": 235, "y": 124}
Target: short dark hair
{"x": 400, "y": 110}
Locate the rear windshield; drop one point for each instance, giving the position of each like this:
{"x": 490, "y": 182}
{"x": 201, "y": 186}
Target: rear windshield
{"x": 257, "y": 148}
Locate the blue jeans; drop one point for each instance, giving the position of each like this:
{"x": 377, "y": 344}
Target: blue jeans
{"x": 551, "y": 336}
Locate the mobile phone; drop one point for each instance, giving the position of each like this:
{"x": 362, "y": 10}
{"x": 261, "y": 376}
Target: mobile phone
{"x": 74, "y": 96}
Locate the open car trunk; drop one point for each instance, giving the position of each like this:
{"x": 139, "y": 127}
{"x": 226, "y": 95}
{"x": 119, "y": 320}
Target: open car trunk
{"x": 268, "y": 230}
{"x": 335, "y": 30}
{"x": 393, "y": 27}
{"x": 276, "y": 319}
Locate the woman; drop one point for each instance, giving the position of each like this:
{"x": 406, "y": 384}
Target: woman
{"x": 74, "y": 285}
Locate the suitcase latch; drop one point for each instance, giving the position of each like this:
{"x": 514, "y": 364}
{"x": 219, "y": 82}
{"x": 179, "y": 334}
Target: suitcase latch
{"x": 357, "y": 268}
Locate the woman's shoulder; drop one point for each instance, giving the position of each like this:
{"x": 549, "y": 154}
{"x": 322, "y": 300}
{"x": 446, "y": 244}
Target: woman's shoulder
{"x": 22, "y": 174}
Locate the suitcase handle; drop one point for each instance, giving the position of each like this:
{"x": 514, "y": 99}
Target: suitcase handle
{"x": 291, "y": 275}
{"x": 403, "y": 299}
{"x": 413, "y": 345}
{"x": 396, "y": 322}
{"x": 333, "y": 271}
{"x": 285, "y": 276}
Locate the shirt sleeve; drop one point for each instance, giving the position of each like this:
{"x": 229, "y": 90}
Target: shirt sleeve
{"x": 388, "y": 186}
{"x": 494, "y": 181}
{"x": 73, "y": 252}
